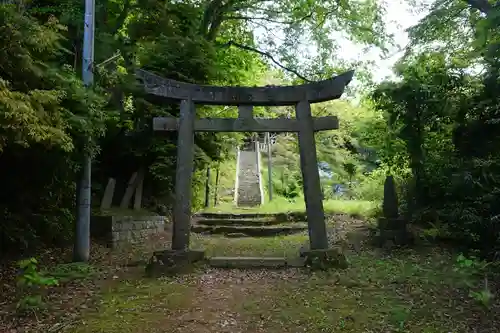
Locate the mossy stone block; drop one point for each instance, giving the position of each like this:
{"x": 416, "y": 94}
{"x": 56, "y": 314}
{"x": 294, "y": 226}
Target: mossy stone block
{"x": 171, "y": 262}
{"x": 324, "y": 259}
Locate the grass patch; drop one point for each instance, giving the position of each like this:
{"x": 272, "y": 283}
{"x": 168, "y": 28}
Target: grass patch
{"x": 72, "y": 271}
{"x": 280, "y": 246}
{"x": 280, "y": 205}
{"x": 227, "y": 179}
{"x": 409, "y": 292}
{"x": 138, "y": 306}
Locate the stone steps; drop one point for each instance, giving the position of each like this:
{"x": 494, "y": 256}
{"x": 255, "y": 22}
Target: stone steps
{"x": 249, "y": 178}
{"x": 263, "y": 216}
{"x": 238, "y": 222}
{"x": 255, "y": 262}
{"x": 247, "y": 225}
{"x": 248, "y": 231}
{"x": 249, "y": 203}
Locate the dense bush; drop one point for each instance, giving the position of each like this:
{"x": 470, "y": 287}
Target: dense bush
{"x": 446, "y": 115}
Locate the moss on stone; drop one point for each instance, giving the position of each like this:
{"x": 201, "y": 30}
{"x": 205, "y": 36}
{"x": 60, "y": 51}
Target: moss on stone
{"x": 324, "y": 259}
{"x": 171, "y": 262}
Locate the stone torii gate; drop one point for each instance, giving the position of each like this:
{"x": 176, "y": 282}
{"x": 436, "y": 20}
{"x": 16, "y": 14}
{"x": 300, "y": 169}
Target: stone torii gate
{"x": 245, "y": 98}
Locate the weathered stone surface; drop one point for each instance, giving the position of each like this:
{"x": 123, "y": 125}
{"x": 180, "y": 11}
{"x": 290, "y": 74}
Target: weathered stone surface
{"x": 255, "y": 262}
{"x": 243, "y": 125}
{"x": 107, "y": 198}
{"x": 310, "y": 176}
{"x": 241, "y": 222}
{"x": 394, "y": 232}
{"x": 289, "y": 95}
{"x": 324, "y": 259}
{"x": 249, "y": 231}
{"x": 115, "y": 231}
{"x": 169, "y": 262}
{"x": 184, "y": 176}
{"x": 398, "y": 223}
{"x": 249, "y": 179}
{"x": 281, "y": 217}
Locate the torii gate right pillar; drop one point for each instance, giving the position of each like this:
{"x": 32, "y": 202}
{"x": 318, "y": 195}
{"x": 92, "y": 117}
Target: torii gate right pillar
{"x": 311, "y": 182}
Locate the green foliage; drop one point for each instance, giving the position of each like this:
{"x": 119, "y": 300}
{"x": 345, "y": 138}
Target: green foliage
{"x": 72, "y": 271}
{"x": 443, "y": 117}
{"x": 44, "y": 113}
{"x": 483, "y": 297}
{"x": 288, "y": 185}
{"x": 469, "y": 268}
{"x": 31, "y": 277}
{"x": 31, "y": 281}
{"x": 371, "y": 186}
{"x": 347, "y": 156}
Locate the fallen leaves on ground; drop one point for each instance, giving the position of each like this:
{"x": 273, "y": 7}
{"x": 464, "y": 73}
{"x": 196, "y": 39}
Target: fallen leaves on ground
{"x": 405, "y": 291}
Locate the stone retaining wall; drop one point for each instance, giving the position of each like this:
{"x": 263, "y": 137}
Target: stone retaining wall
{"x": 119, "y": 230}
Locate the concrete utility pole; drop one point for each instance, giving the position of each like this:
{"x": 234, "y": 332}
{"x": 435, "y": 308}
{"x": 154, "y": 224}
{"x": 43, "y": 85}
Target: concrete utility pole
{"x": 82, "y": 235}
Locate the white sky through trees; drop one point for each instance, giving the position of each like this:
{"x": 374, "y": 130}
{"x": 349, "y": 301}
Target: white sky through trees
{"x": 400, "y": 15}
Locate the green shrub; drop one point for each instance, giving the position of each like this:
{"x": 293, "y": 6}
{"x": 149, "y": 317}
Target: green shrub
{"x": 31, "y": 283}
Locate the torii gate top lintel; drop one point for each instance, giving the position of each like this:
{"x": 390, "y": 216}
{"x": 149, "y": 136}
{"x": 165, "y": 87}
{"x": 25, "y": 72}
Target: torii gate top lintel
{"x": 314, "y": 92}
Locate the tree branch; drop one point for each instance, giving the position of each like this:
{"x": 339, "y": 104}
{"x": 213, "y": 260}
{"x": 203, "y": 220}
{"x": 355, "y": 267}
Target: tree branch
{"x": 122, "y": 17}
{"x": 265, "y": 54}
{"x": 482, "y": 5}
{"x": 249, "y": 18}
{"x": 263, "y": 18}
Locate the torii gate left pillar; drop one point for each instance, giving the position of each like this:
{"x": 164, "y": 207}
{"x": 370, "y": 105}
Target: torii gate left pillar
{"x": 245, "y": 98}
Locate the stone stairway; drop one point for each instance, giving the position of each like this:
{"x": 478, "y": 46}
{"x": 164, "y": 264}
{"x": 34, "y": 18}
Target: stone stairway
{"x": 246, "y": 225}
{"x": 249, "y": 179}
{"x": 249, "y": 225}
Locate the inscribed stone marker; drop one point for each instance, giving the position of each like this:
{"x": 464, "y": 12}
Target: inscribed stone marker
{"x": 129, "y": 192}
{"x": 107, "y": 198}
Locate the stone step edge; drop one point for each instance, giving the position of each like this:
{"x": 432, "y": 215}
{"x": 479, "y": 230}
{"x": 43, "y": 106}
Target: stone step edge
{"x": 244, "y": 215}
{"x": 239, "y": 228}
{"x": 245, "y": 222}
{"x": 256, "y": 232}
{"x": 255, "y": 262}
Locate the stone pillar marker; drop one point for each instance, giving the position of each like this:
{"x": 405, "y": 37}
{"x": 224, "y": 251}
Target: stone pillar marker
{"x": 107, "y": 198}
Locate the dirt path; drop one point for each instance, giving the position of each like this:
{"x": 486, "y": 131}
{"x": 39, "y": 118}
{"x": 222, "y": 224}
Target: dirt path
{"x": 407, "y": 290}
{"x": 215, "y": 302}
{"x": 226, "y": 300}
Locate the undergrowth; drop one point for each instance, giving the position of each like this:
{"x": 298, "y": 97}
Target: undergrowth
{"x": 281, "y": 204}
